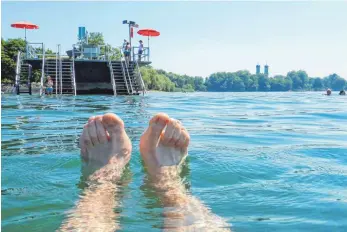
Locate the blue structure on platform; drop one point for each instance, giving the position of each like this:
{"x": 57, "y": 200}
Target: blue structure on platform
{"x": 82, "y": 34}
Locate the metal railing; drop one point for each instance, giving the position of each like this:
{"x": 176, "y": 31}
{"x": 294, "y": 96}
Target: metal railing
{"x": 42, "y": 69}
{"x": 32, "y": 52}
{"x": 139, "y": 76}
{"x": 143, "y": 57}
{"x": 29, "y": 78}
{"x": 89, "y": 52}
{"x": 73, "y": 74}
{"x": 56, "y": 70}
{"x": 60, "y": 71}
{"x": 114, "y": 87}
{"x": 124, "y": 75}
{"x": 129, "y": 77}
{"x": 18, "y": 66}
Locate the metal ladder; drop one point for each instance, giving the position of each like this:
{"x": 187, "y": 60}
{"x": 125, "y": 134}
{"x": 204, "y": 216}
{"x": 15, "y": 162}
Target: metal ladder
{"x": 127, "y": 75}
{"x": 125, "y": 71}
{"x": 42, "y": 70}
{"x": 139, "y": 77}
{"x": 114, "y": 86}
{"x": 22, "y": 71}
{"x": 63, "y": 74}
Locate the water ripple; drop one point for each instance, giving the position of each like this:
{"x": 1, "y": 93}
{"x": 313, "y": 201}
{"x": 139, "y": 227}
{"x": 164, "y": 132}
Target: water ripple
{"x": 263, "y": 161}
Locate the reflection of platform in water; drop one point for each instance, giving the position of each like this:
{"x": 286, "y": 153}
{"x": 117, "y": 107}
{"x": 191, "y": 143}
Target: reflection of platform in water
{"x": 87, "y": 69}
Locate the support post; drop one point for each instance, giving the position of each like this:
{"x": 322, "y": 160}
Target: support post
{"x": 56, "y": 69}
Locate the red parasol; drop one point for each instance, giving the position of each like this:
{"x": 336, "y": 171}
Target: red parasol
{"x": 148, "y": 32}
{"x": 25, "y": 25}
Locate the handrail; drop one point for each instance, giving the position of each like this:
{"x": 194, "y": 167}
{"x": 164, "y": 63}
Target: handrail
{"x": 31, "y": 52}
{"x": 124, "y": 75}
{"x": 73, "y": 72}
{"x": 127, "y": 69}
{"x": 60, "y": 73}
{"x": 17, "y": 77}
{"x": 140, "y": 76}
{"x": 56, "y": 71}
{"x": 33, "y": 43}
{"x": 114, "y": 87}
{"x": 29, "y": 77}
{"x": 123, "y": 71}
{"x": 43, "y": 69}
{"x": 145, "y": 53}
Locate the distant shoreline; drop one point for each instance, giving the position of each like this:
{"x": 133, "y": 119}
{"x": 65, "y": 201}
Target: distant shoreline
{"x": 7, "y": 88}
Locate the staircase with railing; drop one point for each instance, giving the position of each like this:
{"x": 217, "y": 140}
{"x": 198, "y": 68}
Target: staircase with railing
{"x": 126, "y": 77}
{"x": 121, "y": 85}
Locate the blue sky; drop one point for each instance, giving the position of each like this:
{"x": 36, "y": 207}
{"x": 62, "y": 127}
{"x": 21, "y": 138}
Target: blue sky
{"x": 199, "y": 38}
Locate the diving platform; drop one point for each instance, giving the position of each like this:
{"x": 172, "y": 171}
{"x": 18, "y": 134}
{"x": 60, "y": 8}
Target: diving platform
{"x": 85, "y": 69}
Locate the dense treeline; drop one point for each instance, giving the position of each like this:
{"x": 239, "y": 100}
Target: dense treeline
{"x": 239, "y": 81}
{"x": 167, "y": 81}
{"x": 164, "y": 81}
{"x": 294, "y": 81}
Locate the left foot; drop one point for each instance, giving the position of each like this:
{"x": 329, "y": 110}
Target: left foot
{"x": 104, "y": 141}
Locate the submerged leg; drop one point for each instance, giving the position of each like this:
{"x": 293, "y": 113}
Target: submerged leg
{"x": 164, "y": 147}
{"x": 105, "y": 150}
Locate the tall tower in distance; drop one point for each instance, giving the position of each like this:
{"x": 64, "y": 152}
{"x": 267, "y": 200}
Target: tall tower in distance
{"x": 257, "y": 69}
{"x": 266, "y": 70}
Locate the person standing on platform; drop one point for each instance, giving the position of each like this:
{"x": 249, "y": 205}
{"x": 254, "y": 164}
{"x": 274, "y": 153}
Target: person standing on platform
{"x": 127, "y": 51}
{"x": 140, "y": 50}
{"x": 124, "y": 45}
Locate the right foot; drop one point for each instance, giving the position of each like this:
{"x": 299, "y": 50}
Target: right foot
{"x": 159, "y": 148}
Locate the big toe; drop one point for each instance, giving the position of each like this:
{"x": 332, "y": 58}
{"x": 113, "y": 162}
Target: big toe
{"x": 157, "y": 125}
{"x": 113, "y": 123}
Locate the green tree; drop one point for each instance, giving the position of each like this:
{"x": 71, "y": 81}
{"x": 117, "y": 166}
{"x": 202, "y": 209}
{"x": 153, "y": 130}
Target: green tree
{"x": 96, "y": 38}
{"x": 288, "y": 84}
{"x": 199, "y": 84}
{"x": 155, "y": 81}
{"x": 264, "y": 83}
{"x": 299, "y": 79}
{"x": 9, "y": 51}
{"x": 297, "y": 84}
{"x": 253, "y": 83}
{"x": 317, "y": 84}
{"x": 47, "y": 51}
{"x": 277, "y": 83}
{"x": 113, "y": 53}
{"x": 238, "y": 84}
{"x": 335, "y": 82}
{"x": 245, "y": 76}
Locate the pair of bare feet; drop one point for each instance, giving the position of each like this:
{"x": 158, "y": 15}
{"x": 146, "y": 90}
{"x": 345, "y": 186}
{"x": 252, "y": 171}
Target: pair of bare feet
{"x": 104, "y": 142}
{"x": 106, "y": 149}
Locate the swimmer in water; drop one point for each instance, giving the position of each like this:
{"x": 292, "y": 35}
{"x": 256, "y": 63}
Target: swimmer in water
{"x": 328, "y": 92}
{"x": 106, "y": 150}
{"x": 342, "y": 92}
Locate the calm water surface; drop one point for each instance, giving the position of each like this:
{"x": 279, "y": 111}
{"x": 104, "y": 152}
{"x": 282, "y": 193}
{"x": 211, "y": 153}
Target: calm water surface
{"x": 263, "y": 161}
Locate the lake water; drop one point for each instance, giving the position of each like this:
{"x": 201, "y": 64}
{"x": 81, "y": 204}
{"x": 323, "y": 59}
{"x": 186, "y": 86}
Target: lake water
{"x": 263, "y": 161}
